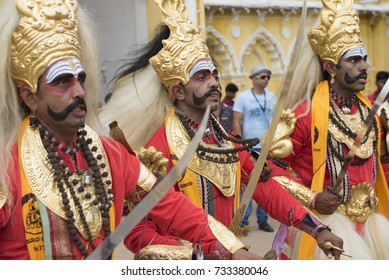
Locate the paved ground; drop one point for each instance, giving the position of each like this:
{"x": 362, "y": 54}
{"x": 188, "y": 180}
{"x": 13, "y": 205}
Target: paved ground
{"x": 259, "y": 241}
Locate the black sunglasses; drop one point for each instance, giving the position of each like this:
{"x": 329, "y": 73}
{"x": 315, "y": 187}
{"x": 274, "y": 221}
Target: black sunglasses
{"x": 264, "y": 77}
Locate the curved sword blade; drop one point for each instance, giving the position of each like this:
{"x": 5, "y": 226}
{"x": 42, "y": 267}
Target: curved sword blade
{"x": 256, "y": 173}
{"x": 151, "y": 199}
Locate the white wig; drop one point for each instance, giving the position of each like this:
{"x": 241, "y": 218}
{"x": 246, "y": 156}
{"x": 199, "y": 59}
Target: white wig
{"x": 10, "y": 110}
{"x": 139, "y": 104}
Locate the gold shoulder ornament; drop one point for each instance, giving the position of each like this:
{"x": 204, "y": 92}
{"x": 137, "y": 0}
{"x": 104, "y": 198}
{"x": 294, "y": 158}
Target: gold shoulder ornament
{"x": 282, "y": 146}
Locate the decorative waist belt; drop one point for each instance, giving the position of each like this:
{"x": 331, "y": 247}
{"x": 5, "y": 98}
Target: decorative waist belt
{"x": 361, "y": 204}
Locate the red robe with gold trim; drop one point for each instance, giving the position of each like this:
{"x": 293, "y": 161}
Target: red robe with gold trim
{"x": 272, "y": 198}
{"x": 174, "y": 213}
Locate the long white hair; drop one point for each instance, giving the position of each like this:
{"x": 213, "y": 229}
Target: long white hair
{"x": 10, "y": 109}
{"x": 139, "y": 104}
{"x": 307, "y": 75}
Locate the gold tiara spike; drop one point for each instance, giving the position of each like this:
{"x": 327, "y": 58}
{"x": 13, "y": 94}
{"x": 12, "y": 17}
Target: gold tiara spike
{"x": 338, "y": 32}
{"x": 183, "y": 47}
{"x": 47, "y": 32}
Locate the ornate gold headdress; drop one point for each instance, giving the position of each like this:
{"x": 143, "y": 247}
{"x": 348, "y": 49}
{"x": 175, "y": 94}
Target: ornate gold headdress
{"x": 47, "y": 32}
{"x": 183, "y": 47}
{"x": 339, "y": 30}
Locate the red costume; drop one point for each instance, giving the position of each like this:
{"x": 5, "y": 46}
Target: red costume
{"x": 275, "y": 200}
{"x": 173, "y": 213}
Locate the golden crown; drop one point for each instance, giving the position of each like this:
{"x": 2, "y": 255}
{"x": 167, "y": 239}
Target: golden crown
{"x": 47, "y": 32}
{"x": 338, "y": 32}
{"x": 183, "y": 47}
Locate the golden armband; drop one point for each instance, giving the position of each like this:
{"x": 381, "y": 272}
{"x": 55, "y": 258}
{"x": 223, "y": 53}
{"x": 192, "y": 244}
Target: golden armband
{"x": 165, "y": 252}
{"x": 304, "y": 195}
{"x": 225, "y": 236}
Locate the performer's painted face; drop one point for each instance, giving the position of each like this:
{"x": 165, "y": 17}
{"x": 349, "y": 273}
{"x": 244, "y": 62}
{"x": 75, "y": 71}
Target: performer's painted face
{"x": 203, "y": 88}
{"x": 61, "y": 94}
{"x": 351, "y": 71}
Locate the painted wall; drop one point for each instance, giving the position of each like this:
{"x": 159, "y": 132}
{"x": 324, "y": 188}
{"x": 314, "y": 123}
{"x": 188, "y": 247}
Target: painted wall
{"x": 121, "y": 25}
{"x": 242, "y": 33}
{"x": 262, "y": 33}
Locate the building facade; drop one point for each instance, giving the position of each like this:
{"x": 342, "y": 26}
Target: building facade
{"x": 241, "y": 34}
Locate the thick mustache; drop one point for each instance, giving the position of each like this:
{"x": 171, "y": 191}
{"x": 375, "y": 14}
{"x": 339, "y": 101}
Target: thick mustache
{"x": 61, "y": 116}
{"x": 350, "y": 80}
{"x": 201, "y": 100}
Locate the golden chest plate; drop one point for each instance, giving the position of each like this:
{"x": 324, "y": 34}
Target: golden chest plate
{"x": 223, "y": 176}
{"x": 40, "y": 176}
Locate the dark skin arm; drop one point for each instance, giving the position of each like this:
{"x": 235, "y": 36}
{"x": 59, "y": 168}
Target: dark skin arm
{"x": 327, "y": 202}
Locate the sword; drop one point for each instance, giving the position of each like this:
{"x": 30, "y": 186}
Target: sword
{"x": 336, "y": 189}
{"x": 256, "y": 173}
{"x": 150, "y": 200}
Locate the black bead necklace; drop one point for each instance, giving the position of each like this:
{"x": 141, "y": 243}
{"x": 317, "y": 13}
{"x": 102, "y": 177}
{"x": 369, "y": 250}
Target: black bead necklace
{"x": 345, "y": 104}
{"x": 341, "y": 125}
{"x": 63, "y": 177}
{"x": 213, "y": 154}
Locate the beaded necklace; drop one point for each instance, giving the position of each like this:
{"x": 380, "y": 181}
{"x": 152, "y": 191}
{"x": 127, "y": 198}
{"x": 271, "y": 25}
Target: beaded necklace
{"x": 211, "y": 154}
{"x": 345, "y": 104}
{"x": 337, "y": 120}
{"x": 65, "y": 180}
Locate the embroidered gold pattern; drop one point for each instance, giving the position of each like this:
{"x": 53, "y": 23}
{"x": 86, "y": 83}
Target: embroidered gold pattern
{"x": 223, "y": 176}
{"x": 300, "y": 192}
{"x": 353, "y": 122}
{"x": 165, "y": 252}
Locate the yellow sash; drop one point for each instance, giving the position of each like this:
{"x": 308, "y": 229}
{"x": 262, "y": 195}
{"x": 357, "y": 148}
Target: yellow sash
{"x": 30, "y": 209}
{"x": 32, "y": 220}
{"x": 319, "y": 132}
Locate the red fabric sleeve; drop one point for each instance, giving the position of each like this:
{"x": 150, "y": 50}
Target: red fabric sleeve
{"x": 175, "y": 215}
{"x": 147, "y": 233}
{"x": 276, "y": 201}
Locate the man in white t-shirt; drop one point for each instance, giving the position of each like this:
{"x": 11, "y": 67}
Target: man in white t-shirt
{"x": 252, "y": 113}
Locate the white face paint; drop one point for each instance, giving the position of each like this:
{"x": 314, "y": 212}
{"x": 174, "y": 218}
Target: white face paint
{"x": 202, "y": 65}
{"x": 64, "y": 66}
{"x": 356, "y": 52}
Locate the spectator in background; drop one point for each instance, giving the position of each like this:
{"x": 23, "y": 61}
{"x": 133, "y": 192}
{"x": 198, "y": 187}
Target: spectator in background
{"x": 225, "y": 114}
{"x": 380, "y": 81}
{"x": 252, "y": 115}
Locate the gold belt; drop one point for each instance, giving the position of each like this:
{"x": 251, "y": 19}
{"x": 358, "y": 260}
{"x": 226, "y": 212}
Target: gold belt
{"x": 361, "y": 204}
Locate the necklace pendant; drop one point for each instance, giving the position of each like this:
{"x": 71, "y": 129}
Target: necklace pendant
{"x": 86, "y": 179}
{"x": 346, "y": 110}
